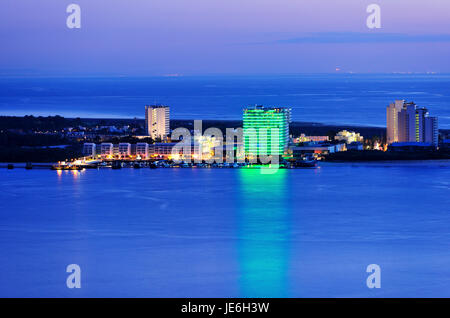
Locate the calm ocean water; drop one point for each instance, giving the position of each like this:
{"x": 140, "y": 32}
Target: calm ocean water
{"x": 341, "y": 99}
{"x": 228, "y": 232}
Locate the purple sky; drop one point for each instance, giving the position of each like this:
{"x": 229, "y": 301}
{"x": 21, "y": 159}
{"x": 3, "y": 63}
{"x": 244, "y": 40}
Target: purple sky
{"x": 158, "y": 37}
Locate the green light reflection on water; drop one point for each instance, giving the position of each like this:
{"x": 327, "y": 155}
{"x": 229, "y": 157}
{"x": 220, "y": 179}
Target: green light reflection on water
{"x": 264, "y": 233}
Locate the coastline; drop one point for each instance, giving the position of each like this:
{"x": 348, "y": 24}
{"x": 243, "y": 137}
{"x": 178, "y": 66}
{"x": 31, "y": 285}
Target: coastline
{"x": 20, "y": 143}
{"x": 296, "y": 127}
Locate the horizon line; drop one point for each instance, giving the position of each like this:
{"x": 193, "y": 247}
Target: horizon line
{"x": 340, "y": 72}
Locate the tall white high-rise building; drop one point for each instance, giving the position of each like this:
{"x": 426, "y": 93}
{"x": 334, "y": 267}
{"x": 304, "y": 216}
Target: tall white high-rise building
{"x": 392, "y": 132}
{"x": 432, "y": 130}
{"x": 157, "y": 121}
{"x": 407, "y": 120}
{"x": 408, "y": 123}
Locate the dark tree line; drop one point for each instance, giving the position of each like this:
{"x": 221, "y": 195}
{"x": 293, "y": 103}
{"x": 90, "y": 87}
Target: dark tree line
{"x": 32, "y": 123}
{"x": 8, "y": 139}
{"x": 17, "y": 154}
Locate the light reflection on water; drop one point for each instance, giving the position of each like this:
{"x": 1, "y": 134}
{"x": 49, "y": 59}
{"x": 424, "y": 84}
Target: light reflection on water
{"x": 264, "y": 229}
{"x": 227, "y": 232}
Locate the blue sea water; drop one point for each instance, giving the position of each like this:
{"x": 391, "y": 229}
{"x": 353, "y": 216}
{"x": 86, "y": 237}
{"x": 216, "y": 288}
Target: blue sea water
{"x": 338, "y": 99}
{"x": 227, "y": 232}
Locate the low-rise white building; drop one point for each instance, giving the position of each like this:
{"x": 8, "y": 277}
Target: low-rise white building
{"x": 106, "y": 149}
{"x": 317, "y": 148}
{"x": 349, "y": 136}
{"x": 124, "y": 150}
{"x": 161, "y": 150}
{"x": 89, "y": 149}
{"x": 304, "y": 138}
{"x": 355, "y": 146}
{"x": 142, "y": 150}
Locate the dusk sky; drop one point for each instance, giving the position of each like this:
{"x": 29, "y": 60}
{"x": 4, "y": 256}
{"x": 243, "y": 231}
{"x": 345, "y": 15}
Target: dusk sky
{"x": 196, "y": 37}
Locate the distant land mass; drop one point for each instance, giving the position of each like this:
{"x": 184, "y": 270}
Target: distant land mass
{"x": 59, "y": 122}
{"x": 24, "y": 139}
{"x": 339, "y": 99}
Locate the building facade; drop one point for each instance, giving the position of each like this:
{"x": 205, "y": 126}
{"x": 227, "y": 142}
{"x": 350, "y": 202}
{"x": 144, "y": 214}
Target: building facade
{"x": 355, "y": 145}
{"x": 266, "y": 130}
{"x": 349, "y": 137}
{"x": 392, "y": 129}
{"x": 431, "y": 131}
{"x": 142, "y": 150}
{"x": 145, "y": 151}
{"x": 304, "y": 138}
{"x": 408, "y": 123}
{"x": 157, "y": 121}
{"x": 106, "y": 149}
{"x": 89, "y": 149}
{"x": 124, "y": 150}
{"x": 314, "y": 148}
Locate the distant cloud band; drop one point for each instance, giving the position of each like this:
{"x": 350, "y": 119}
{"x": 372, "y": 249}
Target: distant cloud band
{"x": 356, "y": 37}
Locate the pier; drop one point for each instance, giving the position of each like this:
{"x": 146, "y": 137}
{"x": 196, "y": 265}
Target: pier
{"x": 153, "y": 164}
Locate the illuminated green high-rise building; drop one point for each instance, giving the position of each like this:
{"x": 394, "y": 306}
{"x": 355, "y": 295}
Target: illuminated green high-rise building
{"x": 266, "y": 130}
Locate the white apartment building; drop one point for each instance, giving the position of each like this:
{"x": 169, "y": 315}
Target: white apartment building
{"x": 124, "y": 150}
{"x": 304, "y": 138}
{"x": 142, "y": 150}
{"x": 106, "y": 149}
{"x": 89, "y": 149}
{"x": 408, "y": 123}
{"x": 392, "y": 130}
{"x": 349, "y": 136}
{"x": 157, "y": 121}
{"x": 431, "y": 133}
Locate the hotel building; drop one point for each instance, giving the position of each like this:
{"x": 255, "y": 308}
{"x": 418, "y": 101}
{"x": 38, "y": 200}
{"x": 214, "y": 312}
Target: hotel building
{"x": 106, "y": 149}
{"x": 89, "y": 149}
{"x": 408, "y": 123}
{"x": 349, "y": 136}
{"x": 142, "y": 150}
{"x": 157, "y": 121}
{"x": 260, "y": 125}
{"x": 304, "y": 138}
{"x": 124, "y": 150}
{"x": 392, "y": 129}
